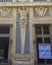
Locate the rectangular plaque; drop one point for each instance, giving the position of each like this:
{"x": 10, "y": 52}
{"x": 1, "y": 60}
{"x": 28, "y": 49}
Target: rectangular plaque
{"x": 44, "y": 51}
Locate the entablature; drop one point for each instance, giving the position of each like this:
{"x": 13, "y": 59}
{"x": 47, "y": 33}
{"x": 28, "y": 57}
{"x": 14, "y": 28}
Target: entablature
{"x": 15, "y": 4}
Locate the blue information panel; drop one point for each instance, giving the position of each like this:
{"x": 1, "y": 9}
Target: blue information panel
{"x": 44, "y": 51}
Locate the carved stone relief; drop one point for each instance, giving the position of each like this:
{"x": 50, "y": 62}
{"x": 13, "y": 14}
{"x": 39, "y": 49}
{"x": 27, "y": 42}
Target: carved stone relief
{"x": 5, "y": 12}
{"x": 23, "y": 29}
{"x": 41, "y": 11}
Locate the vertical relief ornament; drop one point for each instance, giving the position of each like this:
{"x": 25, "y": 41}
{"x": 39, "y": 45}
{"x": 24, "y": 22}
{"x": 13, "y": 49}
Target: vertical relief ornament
{"x": 23, "y": 22}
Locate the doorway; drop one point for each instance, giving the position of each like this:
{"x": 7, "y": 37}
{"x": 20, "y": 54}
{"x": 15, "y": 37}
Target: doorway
{"x": 4, "y": 42}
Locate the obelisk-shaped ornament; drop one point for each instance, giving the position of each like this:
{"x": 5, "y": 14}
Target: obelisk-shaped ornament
{"x": 23, "y": 22}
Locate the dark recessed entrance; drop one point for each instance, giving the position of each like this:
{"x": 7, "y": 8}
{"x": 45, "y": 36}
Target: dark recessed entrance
{"x": 4, "y": 42}
{"x": 4, "y": 45}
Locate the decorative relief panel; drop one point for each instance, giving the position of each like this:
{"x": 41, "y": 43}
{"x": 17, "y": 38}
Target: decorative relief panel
{"x": 41, "y": 11}
{"x": 5, "y": 12}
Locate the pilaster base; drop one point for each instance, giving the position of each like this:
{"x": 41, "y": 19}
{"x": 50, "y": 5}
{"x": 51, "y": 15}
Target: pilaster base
{"x": 23, "y": 63}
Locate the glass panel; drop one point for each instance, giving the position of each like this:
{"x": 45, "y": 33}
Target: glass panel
{"x": 38, "y": 30}
{"x": 41, "y": 61}
{"x": 4, "y": 45}
{"x": 4, "y": 29}
{"x": 49, "y": 61}
{"x": 47, "y": 40}
{"x": 39, "y": 40}
{"x": 45, "y": 29}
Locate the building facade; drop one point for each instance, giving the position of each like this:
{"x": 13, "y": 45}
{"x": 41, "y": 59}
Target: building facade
{"x": 26, "y": 32}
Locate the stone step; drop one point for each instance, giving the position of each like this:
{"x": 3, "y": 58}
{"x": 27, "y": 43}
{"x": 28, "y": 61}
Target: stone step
{"x": 5, "y": 64}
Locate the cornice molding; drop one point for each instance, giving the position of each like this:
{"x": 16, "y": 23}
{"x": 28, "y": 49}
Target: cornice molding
{"x": 12, "y": 4}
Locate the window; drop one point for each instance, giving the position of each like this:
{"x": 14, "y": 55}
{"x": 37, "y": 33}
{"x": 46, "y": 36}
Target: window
{"x": 45, "y": 29}
{"x": 4, "y": 30}
{"x": 43, "y": 37}
{"x": 46, "y": 39}
{"x": 42, "y": 29}
{"x": 39, "y": 40}
{"x": 38, "y": 30}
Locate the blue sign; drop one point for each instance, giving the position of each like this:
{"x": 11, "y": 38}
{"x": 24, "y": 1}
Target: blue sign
{"x": 44, "y": 51}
